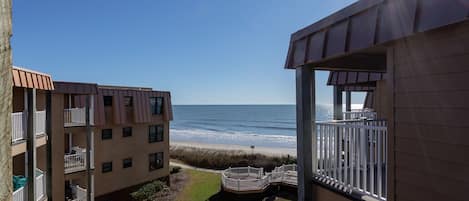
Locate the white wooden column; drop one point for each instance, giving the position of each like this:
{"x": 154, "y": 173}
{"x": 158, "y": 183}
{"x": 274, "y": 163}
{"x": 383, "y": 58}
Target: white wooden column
{"x": 305, "y": 131}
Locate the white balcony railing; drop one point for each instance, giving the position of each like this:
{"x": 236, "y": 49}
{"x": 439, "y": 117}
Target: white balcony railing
{"x": 40, "y": 185}
{"x": 78, "y": 193}
{"x": 359, "y": 114}
{"x": 76, "y": 117}
{"x": 18, "y": 127}
{"x": 40, "y": 122}
{"x": 352, "y": 156}
{"x": 75, "y": 162}
{"x": 20, "y": 194}
{"x": 18, "y": 121}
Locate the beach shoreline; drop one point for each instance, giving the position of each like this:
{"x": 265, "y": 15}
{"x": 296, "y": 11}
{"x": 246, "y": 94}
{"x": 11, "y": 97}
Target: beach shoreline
{"x": 269, "y": 151}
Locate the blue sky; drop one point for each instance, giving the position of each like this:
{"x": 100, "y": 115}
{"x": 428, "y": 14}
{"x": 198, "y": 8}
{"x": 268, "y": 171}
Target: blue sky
{"x": 203, "y": 51}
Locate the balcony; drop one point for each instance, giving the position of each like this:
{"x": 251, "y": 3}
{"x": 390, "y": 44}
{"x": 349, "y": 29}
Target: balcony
{"x": 352, "y": 156}
{"x": 76, "y": 117}
{"x": 76, "y": 161}
{"x": 360, "y": 114}
{"x": 20, "y": 193}
{"x": 78, "y": 193}
{"x": 18, "y": 120}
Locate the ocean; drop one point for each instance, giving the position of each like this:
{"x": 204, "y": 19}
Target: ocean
{"x": 245, "y": 125}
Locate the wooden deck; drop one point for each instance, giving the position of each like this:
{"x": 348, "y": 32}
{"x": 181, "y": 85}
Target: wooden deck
{"x": 244, "y": 180}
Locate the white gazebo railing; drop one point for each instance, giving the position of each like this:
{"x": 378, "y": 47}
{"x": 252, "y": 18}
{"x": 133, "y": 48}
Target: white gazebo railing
{"x": 76, "y": 117}
{"x": 360, "y": 114}
{"x": 352, "y": 156}
{"x": 18, "y": 121}
{"x": 76, "y": 161}
{"x": 244, "y": 179}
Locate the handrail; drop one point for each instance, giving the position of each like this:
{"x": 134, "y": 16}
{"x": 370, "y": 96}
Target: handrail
{"x": 236, "y": 181}
{"x": 352, "y": 155}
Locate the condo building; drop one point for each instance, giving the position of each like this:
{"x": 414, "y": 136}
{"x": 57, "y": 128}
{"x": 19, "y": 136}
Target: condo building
{"x": 93, "y": 142}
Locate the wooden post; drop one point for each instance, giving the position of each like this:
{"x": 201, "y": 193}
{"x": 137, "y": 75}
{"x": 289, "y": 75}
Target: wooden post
{"x": 348, "y": 101}
{"x": 6, "y": 184}
{"x": 49, "y": 145}
{"x": 31, "y": 144}
{"x": 88, "y": 148}
{"x": 305, "y": 125}
{"x": 337, "y": 103}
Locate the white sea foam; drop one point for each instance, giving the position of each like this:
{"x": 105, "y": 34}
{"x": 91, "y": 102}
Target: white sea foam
{"x": 233, "y": 138}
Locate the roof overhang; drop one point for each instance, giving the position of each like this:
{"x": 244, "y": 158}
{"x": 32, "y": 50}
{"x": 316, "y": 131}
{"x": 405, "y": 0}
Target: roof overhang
{"x": 356, "y": 36}
{"x": 354, "y": 81}
{"x": 78, "y": 88}
{"x": 31, "y": 79}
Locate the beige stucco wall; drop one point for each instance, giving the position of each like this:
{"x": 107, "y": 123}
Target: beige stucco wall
{"x": 119, "y": 148}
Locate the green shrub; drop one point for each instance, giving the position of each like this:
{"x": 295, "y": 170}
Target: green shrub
{"x": 175, "y": 169}
{"x": 149, "y": 191}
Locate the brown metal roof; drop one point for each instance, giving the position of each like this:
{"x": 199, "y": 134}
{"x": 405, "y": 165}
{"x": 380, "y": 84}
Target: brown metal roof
{"x": 352, "y": 78}
{"x": 141, "y": 100}
{"x": 31, "y": 79}
{"x": 369, "y": 23}
{"x": 75, "y": 88}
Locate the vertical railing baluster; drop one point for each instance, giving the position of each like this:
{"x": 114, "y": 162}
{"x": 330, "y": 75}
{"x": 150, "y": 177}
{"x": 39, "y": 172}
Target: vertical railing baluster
{"x": 379, "y": 180}
{"x": 372, "y": 160}
{"x": 346, "y": 156}
{"x": 341, "y": 137}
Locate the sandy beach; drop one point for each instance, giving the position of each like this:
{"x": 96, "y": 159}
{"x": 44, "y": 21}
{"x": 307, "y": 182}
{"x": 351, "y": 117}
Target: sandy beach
{"x": 261, "y": 150}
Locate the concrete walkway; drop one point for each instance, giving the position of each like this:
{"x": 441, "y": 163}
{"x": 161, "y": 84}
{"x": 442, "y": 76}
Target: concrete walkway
{"x": 194, "y": 168}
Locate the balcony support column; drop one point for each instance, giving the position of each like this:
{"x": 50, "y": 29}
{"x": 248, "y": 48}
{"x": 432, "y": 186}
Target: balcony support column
{"x": 305, "y": 131}
{"x": 31, "y": 144}
{"x": 89, "y": 132}
{"x": 348, "y": 101}
{"x": 49, "y": 145}
{"x": 337, "y": 103}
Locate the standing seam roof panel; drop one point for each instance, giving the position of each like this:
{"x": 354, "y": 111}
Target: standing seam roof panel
{"x": 361, "y": 26}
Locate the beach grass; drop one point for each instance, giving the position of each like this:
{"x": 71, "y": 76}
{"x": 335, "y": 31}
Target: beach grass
{"x": 201, "y": 186}
{"x": 223, "y": 159}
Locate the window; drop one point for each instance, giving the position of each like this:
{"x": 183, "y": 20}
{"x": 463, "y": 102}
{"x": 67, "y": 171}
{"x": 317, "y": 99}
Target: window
{"x": 106, "y": 134}
{"x": 156, "y": 161}
{"x": 155, "y": 134}
{"x": 126, "y": 131}
{"x": 126, "y": 163}
{"x": 156, "y": 105}
{"x": 107, "y": 100}
{"x": 128, "y": 101}
{"x": 107, "y": 167}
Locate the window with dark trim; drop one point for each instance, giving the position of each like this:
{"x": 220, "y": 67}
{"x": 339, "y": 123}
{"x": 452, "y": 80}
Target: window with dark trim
{"x": 106, "y": 134}
{"x": 107, "y": 100}
{"x": 106, "y": 167}
{"x": 126, "y": 131}
{"x": 156, "y": 105}
{"x": 156, "y": 161}
{"x": 128, "y": 101}
{"x": 155, "y": 133}
{"x": 126, "y": 163}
